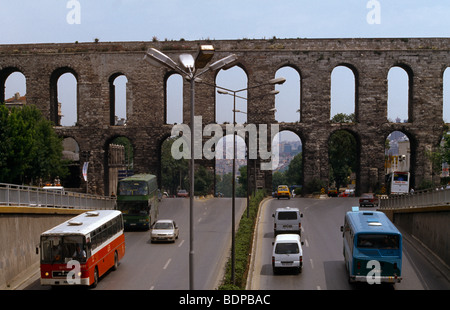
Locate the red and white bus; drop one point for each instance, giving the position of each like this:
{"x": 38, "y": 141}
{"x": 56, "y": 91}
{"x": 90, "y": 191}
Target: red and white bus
{"x": 80, "y": 250}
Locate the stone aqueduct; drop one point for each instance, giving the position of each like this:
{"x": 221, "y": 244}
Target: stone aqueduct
{"x": 95, "y": 64}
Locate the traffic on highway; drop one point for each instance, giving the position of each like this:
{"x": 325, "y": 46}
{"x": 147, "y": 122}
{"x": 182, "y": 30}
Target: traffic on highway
{"x": 318, "y": 263}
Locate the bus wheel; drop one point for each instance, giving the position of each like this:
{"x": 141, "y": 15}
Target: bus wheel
{"x": 94, "y": 285}
{"x": 116, "y": 261}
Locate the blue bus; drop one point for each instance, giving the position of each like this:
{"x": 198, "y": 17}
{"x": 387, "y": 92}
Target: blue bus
{"x": 372, "y": 247}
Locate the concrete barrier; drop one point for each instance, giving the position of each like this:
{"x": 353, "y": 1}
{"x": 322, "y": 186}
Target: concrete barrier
{"x": 429, "y": 225}
{"x": 20, "y": 228}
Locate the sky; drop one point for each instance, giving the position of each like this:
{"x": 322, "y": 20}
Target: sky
{"x": 66, "y": 21}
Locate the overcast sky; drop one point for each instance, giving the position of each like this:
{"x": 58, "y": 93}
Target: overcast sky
{"x": 55, "y": 21}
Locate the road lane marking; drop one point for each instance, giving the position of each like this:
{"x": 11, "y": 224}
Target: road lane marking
{"x": 306, "y": 243}
{"x": 312, "y": 264}
{"x": 167, "y": 264}
{"x": 181, "y": 243}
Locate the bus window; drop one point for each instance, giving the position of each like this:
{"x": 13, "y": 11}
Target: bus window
{"x": 378, "y": 241}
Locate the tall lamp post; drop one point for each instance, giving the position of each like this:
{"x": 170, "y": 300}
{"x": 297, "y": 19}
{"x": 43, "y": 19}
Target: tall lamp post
{"x": 233, "y": 93}
{"x": 190, "y": 71}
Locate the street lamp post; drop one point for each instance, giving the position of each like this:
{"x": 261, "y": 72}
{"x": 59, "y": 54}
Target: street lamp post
{"x": 233, "y": 93}
{"x": 190, "y": 72}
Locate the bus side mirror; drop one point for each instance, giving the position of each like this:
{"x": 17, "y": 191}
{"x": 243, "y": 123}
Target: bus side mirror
{"x": 342, "y": 228}
{"x": 301, "y": 214}
{"x": 273, "y": 215}
{"x": 37, "y": 250}
{"x": 302, "y": 243}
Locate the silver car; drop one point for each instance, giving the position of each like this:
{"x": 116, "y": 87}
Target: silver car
{"x": 164, "y": 230}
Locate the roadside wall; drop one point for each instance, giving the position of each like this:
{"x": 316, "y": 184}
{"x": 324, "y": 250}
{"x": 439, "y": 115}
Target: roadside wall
{"x": 429, "y": 225}
{"x": 20, "y": 229}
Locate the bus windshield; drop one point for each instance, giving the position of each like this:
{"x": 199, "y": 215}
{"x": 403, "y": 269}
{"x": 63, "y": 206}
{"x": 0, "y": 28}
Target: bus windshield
{"x": 61, "y": 249}
{"x": 378, "y": 241}
{"x": 132, "y": 188}
{"x": 400, "y": 177}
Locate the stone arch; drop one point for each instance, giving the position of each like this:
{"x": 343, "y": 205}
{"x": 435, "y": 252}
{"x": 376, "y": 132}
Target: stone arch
{"x": 114, "y": 104}
{"x": 5, "y": 74}
{"x": 446, "y": 95}
{"x": 224, "y": 162}
{"x": 237, "y": 79}
{"x": 400, "y": 91}
{"x": 344, "y": 149}
{"x": 55, "y": 109}
{"x": 344, "y": 90}
{"x": 289, "y": 144}
{"x": 288, "y": 102}
{"x": 173, "y": 98}
{"x": 71, "y": 153}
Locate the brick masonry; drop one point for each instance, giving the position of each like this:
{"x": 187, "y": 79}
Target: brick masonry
{"x": 93, "y": 64}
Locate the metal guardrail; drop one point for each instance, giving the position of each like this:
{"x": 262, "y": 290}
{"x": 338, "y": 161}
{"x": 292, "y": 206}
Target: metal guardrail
{"x": 19, "y": 195}
{"x": 424, "y": 198}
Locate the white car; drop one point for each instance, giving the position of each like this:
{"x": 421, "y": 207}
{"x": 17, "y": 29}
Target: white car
{"x": 287, "y": 253}
{"x": 164, "y": 230}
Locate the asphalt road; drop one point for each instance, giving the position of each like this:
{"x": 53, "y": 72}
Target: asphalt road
{"x": 323, "y": 264}
{"x": 165, "y": 266}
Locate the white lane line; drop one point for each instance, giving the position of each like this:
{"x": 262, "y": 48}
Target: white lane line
{"x": 181, "y": 243}
{"x": 312, "y": 264}
{"x": 167, "y": 264}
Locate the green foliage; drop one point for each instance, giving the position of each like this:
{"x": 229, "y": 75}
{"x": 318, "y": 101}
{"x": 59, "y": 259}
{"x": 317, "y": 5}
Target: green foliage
{"x": 174, "y": 173}
{"x": 30, "y": 148}
{"x": 292, "y": 176}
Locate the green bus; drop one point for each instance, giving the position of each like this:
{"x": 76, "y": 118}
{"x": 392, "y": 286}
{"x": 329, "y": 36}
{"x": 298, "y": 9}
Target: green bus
{"x": 137, "y": 198}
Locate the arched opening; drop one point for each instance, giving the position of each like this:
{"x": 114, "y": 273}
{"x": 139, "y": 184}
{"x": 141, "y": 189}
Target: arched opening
{"x": 343, "y": 160}
{"x": 118, "y": 99}
{"x": 64, "y": 97}
{"x": 14, "y": 88}
{"x": 174, "y": 99}
{"x": 287, "y": 153}
{"x": 174, "y": 172}
{"x": 71, "y": 154}
{"x": 399, "y": 95}
{"x": 446, "y": 96}
{"x": 288, "y": 101}
{"x": 224, "y": 154}
{"x": 397, "y": 163}
{"x": 344, "y": 91}
{"x": 233, "y": 79}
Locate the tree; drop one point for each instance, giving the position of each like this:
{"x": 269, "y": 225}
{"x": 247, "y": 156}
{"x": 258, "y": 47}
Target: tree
{"x": 294, "y": 173}
{"x": 174, "y": 173}
{"x": 30, "y": 148}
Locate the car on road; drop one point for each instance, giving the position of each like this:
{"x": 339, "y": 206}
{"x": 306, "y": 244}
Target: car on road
{"x": 164, "y": 230}
{"x": 283, "y": 191}
{"x": 182, "y": 193}
{"x": 287, "y": 253}
{"x": 287, "y": 221}
{"x": 368, "y": 199}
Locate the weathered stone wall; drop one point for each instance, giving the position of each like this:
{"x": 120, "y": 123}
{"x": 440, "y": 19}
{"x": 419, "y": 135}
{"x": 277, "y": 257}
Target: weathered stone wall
{"x": 370, "y": 59}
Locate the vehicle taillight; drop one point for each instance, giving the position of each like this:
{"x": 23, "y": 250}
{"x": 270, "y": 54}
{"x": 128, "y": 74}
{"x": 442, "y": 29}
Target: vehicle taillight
{"x": 358, "y": 265}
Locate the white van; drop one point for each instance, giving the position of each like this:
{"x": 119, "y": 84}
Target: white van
{"x": 287, "y": 221}
{"x": 287, "y": 253}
